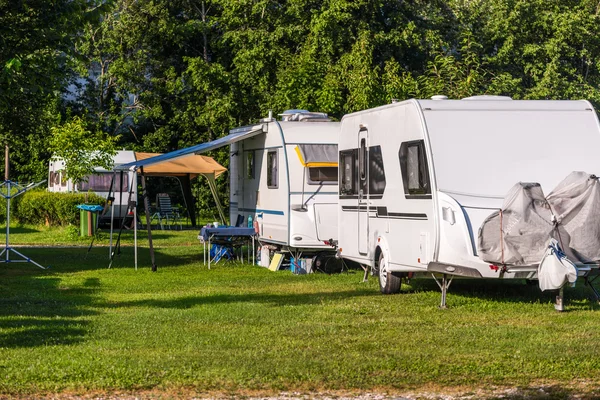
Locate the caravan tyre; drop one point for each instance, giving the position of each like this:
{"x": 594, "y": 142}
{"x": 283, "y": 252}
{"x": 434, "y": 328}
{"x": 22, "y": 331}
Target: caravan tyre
{"x": 388, "y": 282}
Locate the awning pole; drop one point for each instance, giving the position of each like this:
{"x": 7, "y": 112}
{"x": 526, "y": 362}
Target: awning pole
{"x": 213, "y": 188}
{"x": 135, "y": 235}
{"x": 147, "y": 210}
{"x": 112, "y": 217}
{"x": 135, "y": 249}
{"x": 121, "y": 197}
{"x": 123, "y": 218}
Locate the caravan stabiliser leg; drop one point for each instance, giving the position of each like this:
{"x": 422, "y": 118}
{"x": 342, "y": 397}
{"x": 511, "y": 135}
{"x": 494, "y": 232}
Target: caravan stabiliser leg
{"x": 366, "y": 269}
{"x": 444, "y": 285}
{"x": 559, "y": 304}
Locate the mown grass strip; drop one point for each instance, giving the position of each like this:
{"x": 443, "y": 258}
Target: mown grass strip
{"x": 81, "y": 326}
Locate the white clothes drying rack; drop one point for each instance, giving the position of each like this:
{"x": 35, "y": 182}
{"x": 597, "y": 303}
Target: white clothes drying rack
{"x": 7, "y": 190}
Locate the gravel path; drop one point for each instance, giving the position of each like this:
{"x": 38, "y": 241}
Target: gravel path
{"x": 540, "y": 392}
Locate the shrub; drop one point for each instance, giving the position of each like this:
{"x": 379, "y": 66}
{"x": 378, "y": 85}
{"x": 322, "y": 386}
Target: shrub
{"x": 72, "y": 232}
{"x": 39, "y": 207}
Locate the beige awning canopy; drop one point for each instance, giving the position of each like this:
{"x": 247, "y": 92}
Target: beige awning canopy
{"x": 192, "y": 164}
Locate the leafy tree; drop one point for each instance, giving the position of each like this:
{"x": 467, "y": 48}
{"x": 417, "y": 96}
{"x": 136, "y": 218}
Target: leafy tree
{"x": 537, "y": 49}
{"x": 169, "y": 74}
{"x": 36, "y": 45}
{"x": 80, "y": 149}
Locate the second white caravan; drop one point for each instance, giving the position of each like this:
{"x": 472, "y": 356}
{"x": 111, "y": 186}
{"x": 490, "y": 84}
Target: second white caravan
{"x": 284, "y": 178}
{"x": 419, "y": 177}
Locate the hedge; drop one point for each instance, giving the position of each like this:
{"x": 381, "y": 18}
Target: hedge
{"x": 39, "y": 207}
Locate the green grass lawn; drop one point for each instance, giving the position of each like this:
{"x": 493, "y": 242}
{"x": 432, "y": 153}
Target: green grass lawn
{"x": 80, "y": 327}
{"x": 69, "y": 236}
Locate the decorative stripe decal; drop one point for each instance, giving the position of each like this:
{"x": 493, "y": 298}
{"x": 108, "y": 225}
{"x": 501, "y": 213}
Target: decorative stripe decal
{"x": 381, "y": 212}
{"x": 355, "y": 197}
{"x": 259, "y": 210}
{"x": 407, "y": 216}
{"x": 267, "y": 240}
{"x": 313, "y": 193}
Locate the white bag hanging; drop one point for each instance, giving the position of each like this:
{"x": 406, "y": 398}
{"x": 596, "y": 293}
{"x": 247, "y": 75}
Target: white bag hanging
{"x": 555, "y": 269}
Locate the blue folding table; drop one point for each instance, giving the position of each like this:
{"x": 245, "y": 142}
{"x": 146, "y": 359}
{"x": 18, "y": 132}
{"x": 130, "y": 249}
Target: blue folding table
{"x": 228, "y": 236}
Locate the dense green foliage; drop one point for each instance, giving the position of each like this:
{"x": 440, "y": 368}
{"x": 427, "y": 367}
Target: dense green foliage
{"x": 189, "y": 332}
{"x": 37, "y": 42}
{"x": 163, "y": 75}
{"x": 80, "y": 149}
{"x": 41, "y": 207}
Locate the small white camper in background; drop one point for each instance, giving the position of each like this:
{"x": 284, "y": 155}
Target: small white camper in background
{"x": 98, "y": 183}
{"x": 419, "y": 177}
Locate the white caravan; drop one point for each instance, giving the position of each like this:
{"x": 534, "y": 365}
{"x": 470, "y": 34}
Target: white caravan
{"x": 285, "y": 179}
{"x": 419, "y": 177}
{"x": 99, "y": 182}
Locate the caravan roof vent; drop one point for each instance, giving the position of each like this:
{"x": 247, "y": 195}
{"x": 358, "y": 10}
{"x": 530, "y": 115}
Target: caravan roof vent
{"x": 269, "y": 118}
{"x": 488, "y": 97}
{"x": 303, "y": 115}
{"x": 439, "y": 97}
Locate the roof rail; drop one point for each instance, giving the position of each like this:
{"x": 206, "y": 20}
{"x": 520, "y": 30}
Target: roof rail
{"x": 303, "y": 115}
{"x": 488, "y": 97}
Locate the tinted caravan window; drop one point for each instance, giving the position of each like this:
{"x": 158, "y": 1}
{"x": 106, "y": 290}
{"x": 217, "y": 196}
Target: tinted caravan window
{"x": 322, "y": 175}
{"x": 250, "y": 164}
{"x": 376, "y": 171}
{"x": 101, "y": 183}
{"x": 415, "y": 174}
{"x": 348, "y": 173}
{"x": 272, "y": 169}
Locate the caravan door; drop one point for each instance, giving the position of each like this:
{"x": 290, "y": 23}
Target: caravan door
{"x": 363, "y": 191}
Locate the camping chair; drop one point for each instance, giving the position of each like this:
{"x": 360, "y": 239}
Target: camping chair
{"x": 166, "y": 212}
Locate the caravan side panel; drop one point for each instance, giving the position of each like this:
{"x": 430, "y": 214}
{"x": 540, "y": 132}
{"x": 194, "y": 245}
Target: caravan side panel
{"x": 397, "y": 216}
{"x": 263, "y": 185}
{"x": 313, "y": 203}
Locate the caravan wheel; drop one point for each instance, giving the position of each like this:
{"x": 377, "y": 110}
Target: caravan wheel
{"x": 388, "y": 282}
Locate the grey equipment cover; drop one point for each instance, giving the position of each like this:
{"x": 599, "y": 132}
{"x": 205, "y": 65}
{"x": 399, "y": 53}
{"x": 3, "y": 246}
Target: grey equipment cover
{"x": 520, "y": 232}
{"x": 517, "y": 234}
{"x": 576, "y": 206}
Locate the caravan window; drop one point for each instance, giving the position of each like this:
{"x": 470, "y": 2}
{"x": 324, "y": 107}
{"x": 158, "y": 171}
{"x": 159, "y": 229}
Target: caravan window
{"x": 250, "y": 164}
{"x": 362, "y": 158}
{"x": 272, "y": 170}
{"x": 348, "y": 176}
{"x": 100, "y": 182}
{"x": 413, "y": 165}
{"x": 376, "y": 172}
{"x": 54, "y": 178}
{"x": 63, "y": 179}
{"x": 322, "y": 175}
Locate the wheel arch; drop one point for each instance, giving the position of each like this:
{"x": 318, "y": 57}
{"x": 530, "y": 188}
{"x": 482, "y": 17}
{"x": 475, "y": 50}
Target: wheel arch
{"x": 381, "y": 247}
{"x": 389, "y": 282}
{"x": 378, "y": 252}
